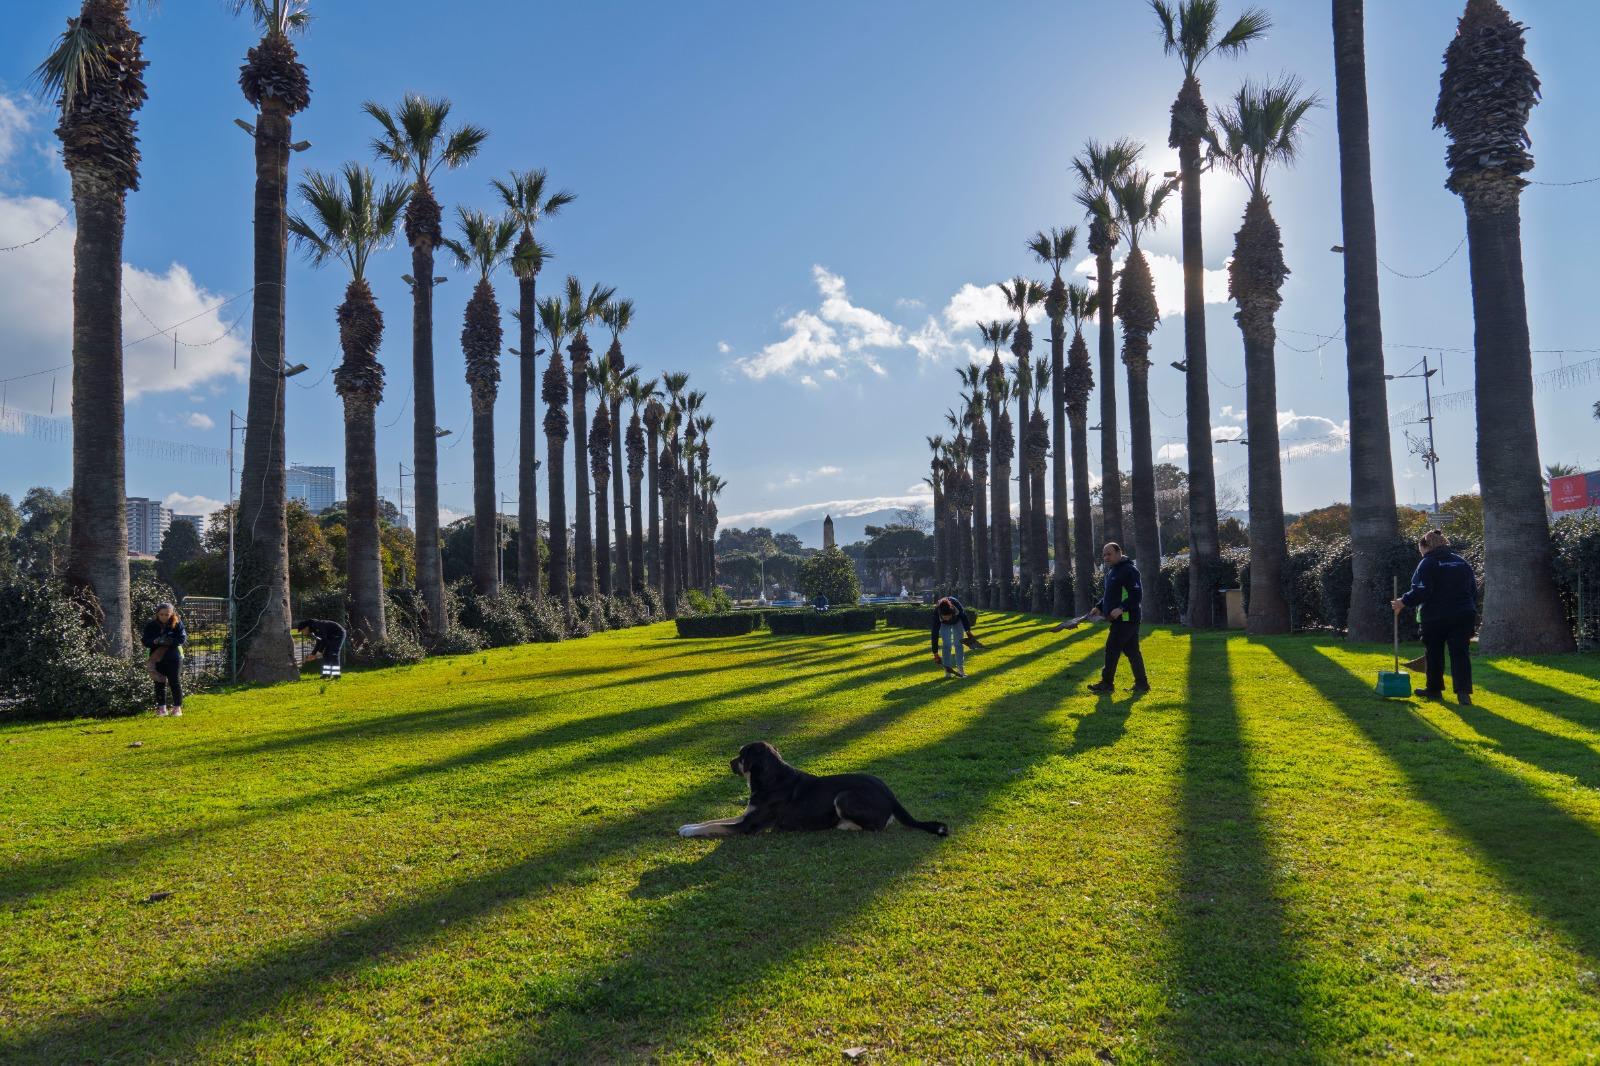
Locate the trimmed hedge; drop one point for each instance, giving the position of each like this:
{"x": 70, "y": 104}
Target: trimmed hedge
{"x": 718, "y": 625}
{"x": 917, "y": 617}
{"x": 811, "y": 623}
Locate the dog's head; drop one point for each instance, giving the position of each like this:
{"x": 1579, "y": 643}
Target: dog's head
{"x": 754, "y": 758}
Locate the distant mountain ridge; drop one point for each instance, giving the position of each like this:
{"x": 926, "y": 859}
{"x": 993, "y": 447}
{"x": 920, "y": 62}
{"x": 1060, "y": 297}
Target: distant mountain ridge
{"x": 847, "y": 529}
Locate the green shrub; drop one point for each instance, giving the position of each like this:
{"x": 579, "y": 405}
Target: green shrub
{"x": 830, "y": 573}
{"x": 53, "y": 665}
{"x": 619, "y": 612}
{"x": 1577, "y": 544}
{"x": 146, "y": 592}
{"x": 543, "y": 618}
{"x": 457, "y": 640}
{"x": 811, "y": 623}
{"x": 698, "y": 603}
{"x": 917, "y": 616}
{"x": 497, "y": 619}
{"x": 328, "y": 604}
{"x": 652, "y": 609}
{"x": 399, "y": 647}
{"x": 718, "y": 625}
{"x": 577, "y": 621}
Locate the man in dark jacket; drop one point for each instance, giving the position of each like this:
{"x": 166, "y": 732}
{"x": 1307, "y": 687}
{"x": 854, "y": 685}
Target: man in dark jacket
{"x": 327, "y": 644}
{"x": 1120, "y": 607}
{"x": 950, "y": 622}
{"x": 1446, "y": 590}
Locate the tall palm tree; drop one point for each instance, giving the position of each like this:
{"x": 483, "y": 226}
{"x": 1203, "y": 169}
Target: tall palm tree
{"x": 1374, "y": 523}
{"x": 413, "y": 139}
{"x": 675, "y": 384}
{"x": 618, "y": 316}
{"x": 687, "y": 510}
{"x": 1054, "y": 249}
{"x": 654, "y": 413}
{"x": 1022, "y": 296}
{"x": 275, "y": 83}
{"x": 553, "y": 389}
{"x": 1191, "y": 31}
{"x": 707, "y": 536}
{"x": 714, "y": 487}
{"x": 1000, "y": 449}
{"x": 96, "y": 70}
{"x": 1259, "y": 129}
{"x": 974, "y": 397}
{"x": 1079, "y": 380}
{"x": 1139, "y": 209}
{"x": 958, "y": 491}
{"x": 350, "y": 219}
{"x": 484, "y": 244}
{"x": 1100, "y": 167}
{"x": 640, "y": 393}
{"x": 941, "y": 535}
{"x": 527, "y": 204}
{"x": 582, "y": 311}
{"x": 1038, "y": 524}
{"x": 1486, "y": 92}
{"x": 601, "y": 383}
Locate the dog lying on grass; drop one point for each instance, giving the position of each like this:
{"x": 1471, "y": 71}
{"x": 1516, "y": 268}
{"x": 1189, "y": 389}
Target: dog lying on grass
{"x": 782, "y": 797}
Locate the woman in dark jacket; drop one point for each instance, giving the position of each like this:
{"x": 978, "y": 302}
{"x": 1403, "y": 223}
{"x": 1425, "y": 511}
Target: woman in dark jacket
{"x": 1446, "y": 590}
{"x": 165, "y": 636}
{"x": 952, "y": 627}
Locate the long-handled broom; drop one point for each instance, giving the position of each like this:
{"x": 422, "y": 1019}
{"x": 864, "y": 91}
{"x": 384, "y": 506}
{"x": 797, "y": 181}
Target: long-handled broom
{"x": 1398, "y": 683}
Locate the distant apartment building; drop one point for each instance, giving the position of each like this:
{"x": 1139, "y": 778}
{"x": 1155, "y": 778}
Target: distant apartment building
{"x": 312, "y": 486}
{"x": 198, "y": 521}
{"x": 147, "y": 525}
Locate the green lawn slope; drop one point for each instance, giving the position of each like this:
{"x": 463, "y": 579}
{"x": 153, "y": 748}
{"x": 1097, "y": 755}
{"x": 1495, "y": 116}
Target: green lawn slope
{"x": 476, "y": 860}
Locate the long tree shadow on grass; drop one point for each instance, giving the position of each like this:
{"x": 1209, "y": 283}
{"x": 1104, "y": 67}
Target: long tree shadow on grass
{"x": 178, "y": 1019}
{"x": 1548, "y": 751}
{"x": 1546, "y": 856}
{"x": 22, "y": 881}
{"x": 1238, "y": 996}
{"x": 1575, "y": 708}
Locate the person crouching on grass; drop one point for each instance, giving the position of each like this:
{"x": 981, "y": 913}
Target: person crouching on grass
{"x": 165, "y": 636}
{"x": 327, "y": 644}
{"x": 954, "y": 632}
{"x": 1446, "y": 590}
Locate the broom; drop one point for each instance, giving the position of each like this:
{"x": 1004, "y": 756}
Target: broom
{"x": 1398, "y": 683}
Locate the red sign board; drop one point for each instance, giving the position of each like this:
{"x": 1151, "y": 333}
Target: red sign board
{"x": 1573, "y": 493}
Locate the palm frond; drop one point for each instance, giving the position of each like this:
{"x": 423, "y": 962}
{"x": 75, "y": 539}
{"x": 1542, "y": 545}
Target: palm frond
{"x": 1260, "y": 127}
{"x": 1251, "y": 26}
{"x": 78, "y": 57}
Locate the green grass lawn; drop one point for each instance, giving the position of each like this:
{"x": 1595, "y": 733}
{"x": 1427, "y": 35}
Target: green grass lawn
{"x": 476, "y": 860}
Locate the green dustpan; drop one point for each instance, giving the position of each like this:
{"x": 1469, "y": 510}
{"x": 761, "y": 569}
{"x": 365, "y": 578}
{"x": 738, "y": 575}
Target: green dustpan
{"x": 1396, "y": 684}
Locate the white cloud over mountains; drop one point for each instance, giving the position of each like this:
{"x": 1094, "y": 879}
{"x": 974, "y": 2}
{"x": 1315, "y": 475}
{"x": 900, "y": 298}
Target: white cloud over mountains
{"x": 916, "y": 495}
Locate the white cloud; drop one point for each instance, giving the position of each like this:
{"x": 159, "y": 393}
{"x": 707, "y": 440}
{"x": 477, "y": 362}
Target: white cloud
{"x": 447, "y": 515}
{"x": 1228, "y": 432}
{"x": 803, "y": 478}
{"x": 919, "y": 494}
{"x": 1170, "y": 453}
{"x": 197, "y": 420}
{"x": 973, "y": 304}
{"x": 808, "y": 381}
{"x": 1167, "y": 273}
{"x": 826, "y": 471}
{"x": 200, "y": 505}
{"x": 724, "y": 347}
{"x": 909, "y": 303}
{"x": 16, "y": 125}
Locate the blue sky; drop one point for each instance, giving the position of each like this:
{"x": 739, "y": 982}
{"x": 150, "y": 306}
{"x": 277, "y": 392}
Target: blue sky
{"x": 807, "y": 203}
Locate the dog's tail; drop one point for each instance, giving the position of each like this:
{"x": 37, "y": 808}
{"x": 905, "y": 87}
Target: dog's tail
{"x": 903, "y": 816}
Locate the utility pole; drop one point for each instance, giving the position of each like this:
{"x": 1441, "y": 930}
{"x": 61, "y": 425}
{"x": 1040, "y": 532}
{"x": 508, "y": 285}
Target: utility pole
{"x": 1430, "y": 458}
{"x": 403, "y": 473}
{"x": 235, "y": 423}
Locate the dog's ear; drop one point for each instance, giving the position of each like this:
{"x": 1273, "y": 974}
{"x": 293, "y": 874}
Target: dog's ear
{"x": 770, "y": 752}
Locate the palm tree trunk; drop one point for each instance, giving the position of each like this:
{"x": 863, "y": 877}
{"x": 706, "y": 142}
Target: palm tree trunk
{"x": 1059, "y": 599}
{"x": 97, "y": 559}
{"x": 1024, "y": 503}
{"x": 670, "y": 529}
{"x": 1040, "y": 538}
{"x": 554, "y": 392}
{"x": 583, "y": 544}
{"x": 1082, "y": 516}
{"x": 1374, "y": 525}
{"x": 965, "y": 575}
{"x": 940, "y": 539}
{"x": 425, "y": 439}
{"x": 261, "y": 577}
{"x": 363, "y": 551}
{"x": 1110, "y": 476}
{"x": 528, "y": 578}
{"x": 980, "y": 528}
{"x": 1205, "y": 552}
{"x": 485, "y": 510}
{"x": 1522, "y": 612}
{"x": 1146, "y": 533}
{"x": 653, "y": 549}
{"x": 602, "y": 549}
{"x": 624, "y": 582}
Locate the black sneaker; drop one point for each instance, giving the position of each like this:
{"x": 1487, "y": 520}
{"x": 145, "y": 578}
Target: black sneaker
{"x": 1141, "y": 688}
{"x": 1464, "y": 699}
{"x": 1102, "y": 688}
{"x": 1427, "y": 694}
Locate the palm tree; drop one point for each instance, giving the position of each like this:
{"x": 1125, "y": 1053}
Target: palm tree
{"x": 618, "y": 316}
{"x": 526, "y": 204}
{"x": 941, "y": 535}
{"x": 958, "y": 492}
{"x": 1139, "y": 209}
{"x": 1374, "y": 524}
{"x": 275, "y": 83}
{"x": 1054, "y": 249}
{"x": 1038, "y": 523}
{"x": 1262, "y": 127}
{"x": 675, "y": 385}
{"x": 1079, "y": 380}
{"x": 1022, "y": 296}
{"x": 582, "y": 311}
{"x": 600, "y": 381}
{"x": 485, "y": 243}
{"x": 689, "y": 569}
{"x": 414, "y": 141}
{"x": 654, "y": 413}
{"x": 1100, "y": 167}
{"x": 640, "y": 393}
{"x": 978, "y": 446}
{"x": 351, "y": 217}
{"x": 1000, "y": 448}
{"x": 713, "y": 488}
{"x": 1486, "y": 92}
{"x": 707, "y": 545}
{"x": 97, "y": 70}
{"x": 1189, "y": 30}
{"x": 553, "y": 389}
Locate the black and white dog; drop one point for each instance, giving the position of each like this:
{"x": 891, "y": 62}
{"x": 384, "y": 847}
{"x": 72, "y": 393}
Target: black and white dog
{"x": 782, "y": 797}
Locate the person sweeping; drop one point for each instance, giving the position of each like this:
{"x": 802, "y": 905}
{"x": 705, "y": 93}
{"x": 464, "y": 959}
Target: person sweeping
{"x": 1119, "y": 606}
{"x": 1446, "y": 590}
{"x": 952, "y": 635}
{"x": 165, "y": 636}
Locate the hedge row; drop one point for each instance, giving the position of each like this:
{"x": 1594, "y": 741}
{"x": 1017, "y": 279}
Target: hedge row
{"x": 917, "y": 617}
{"x": 718, "y": 625}
{"x": 809, "y": 623}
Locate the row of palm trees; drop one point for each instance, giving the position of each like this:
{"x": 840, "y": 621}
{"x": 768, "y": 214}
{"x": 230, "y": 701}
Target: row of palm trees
{"x": 96, "y": 70}
{"x": 1486, "y": 93}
